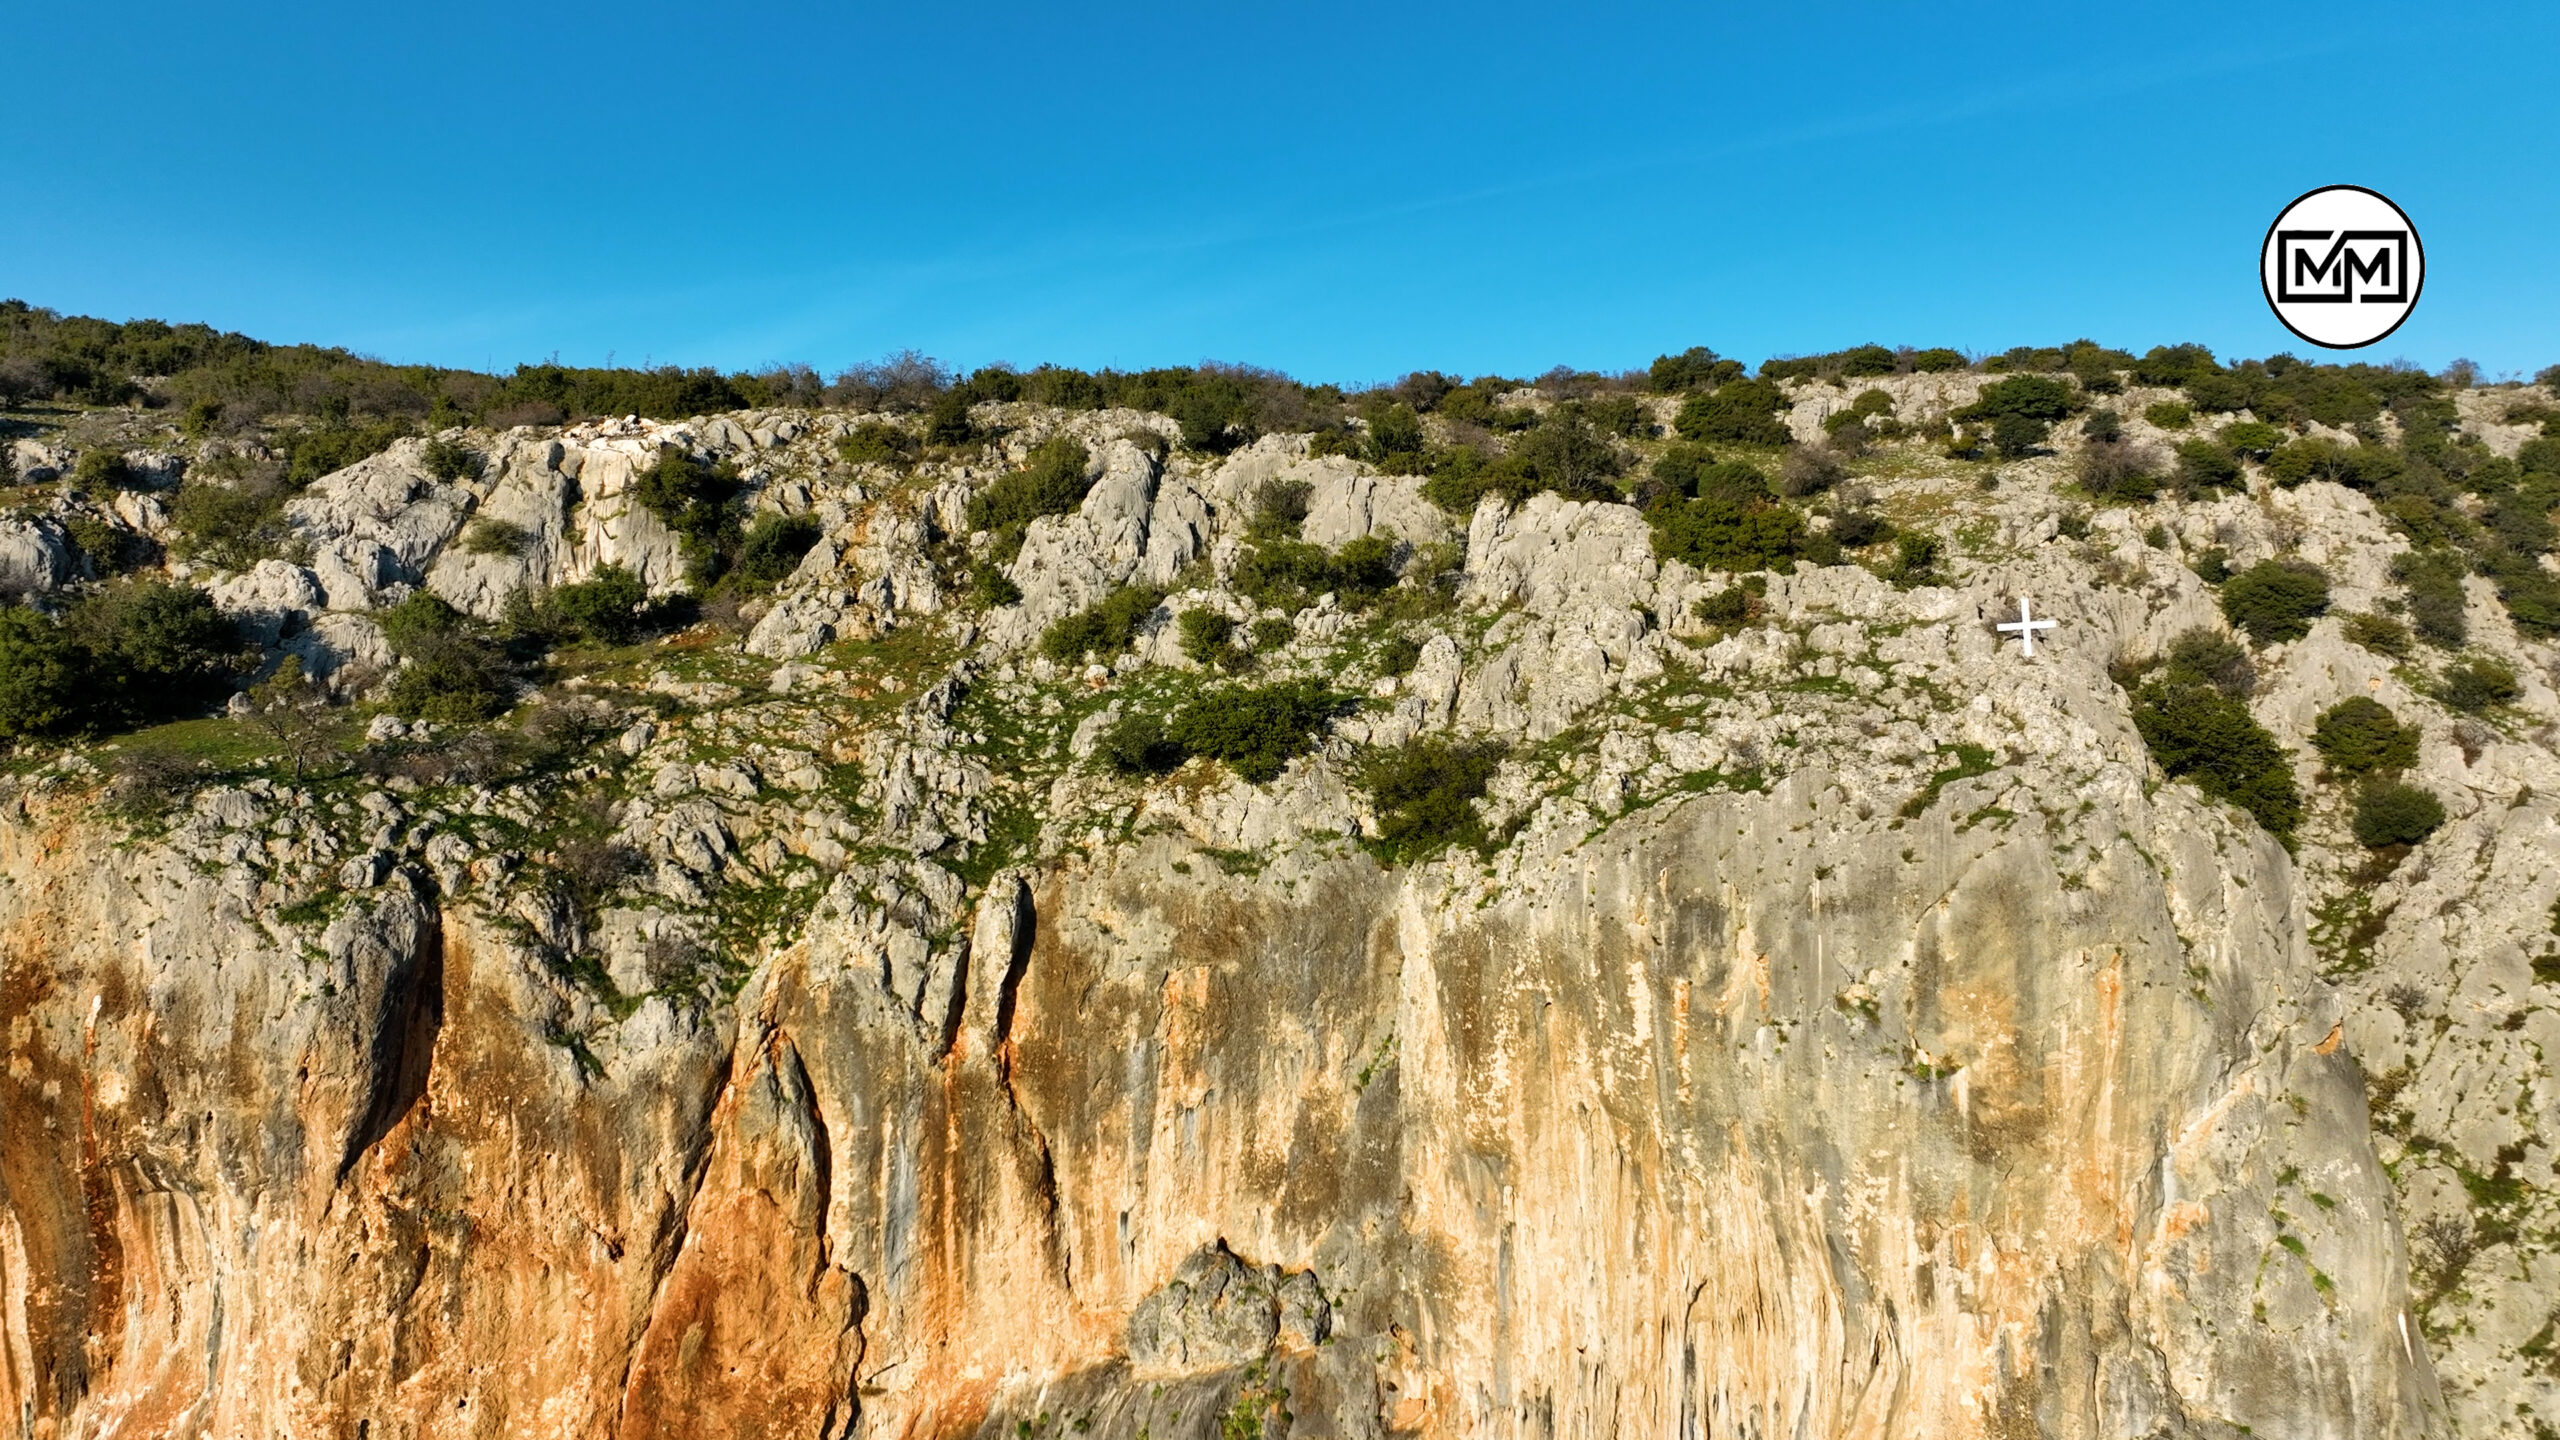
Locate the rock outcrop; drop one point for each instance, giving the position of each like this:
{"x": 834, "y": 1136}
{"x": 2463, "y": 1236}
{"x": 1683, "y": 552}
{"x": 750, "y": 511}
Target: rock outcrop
{"x": 804, "y": 1031}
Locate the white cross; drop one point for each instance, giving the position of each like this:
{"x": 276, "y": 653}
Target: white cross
{"x": 2025, "y": 627}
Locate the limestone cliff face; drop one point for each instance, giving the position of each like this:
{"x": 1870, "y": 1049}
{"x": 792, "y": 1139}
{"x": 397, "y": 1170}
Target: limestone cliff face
{"x": 1745, "y": 1116}
{"x": 908, "y": 1073}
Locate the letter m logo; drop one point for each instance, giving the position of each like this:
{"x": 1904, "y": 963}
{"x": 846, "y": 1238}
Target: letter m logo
{"x": 2326, "y": 267}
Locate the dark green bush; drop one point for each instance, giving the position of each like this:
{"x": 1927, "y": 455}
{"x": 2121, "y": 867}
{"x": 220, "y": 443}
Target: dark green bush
{"x": 1855, "y": 528}
{"x": 2437, "y": 606}
{"x": 2102, "y": 425}
{"x": 947, "y": 422}
{"x": 2218, "y": 394}
{"x": 2018, "y": 436}
{"x": 2310, "y": 459}
{"x": 2198, "y": 733}
{"x": 2174, "y": 364}
{"x": 2378, "y": 633}
{"x": 605, "y": 608}
{"x": 2119, "y": 469}
{"x": 453, "y": 672}
{"x": 1273, "y": 633}
{"x": 2360, "y": 736}
{"x": 1425, "y": 793}
{"x": 450, "y": 460}
{"x": 1624, "y": 416}
{"x": 1398, "y": 654}
{"x": 2478, "y": 683}
{"x": 1937, "y": 360}
{"x": 2028, "y": 397}
{"x": 1256, "y": 731}
{"x": 43, "y": 687}
{"x": 1136, "y": 744}
{"x": 2391, "y": 813}
{"x": 2205, "y": 466}
{"x": 2276, "y": 599}
{"x": 1720, "y": 530}
{"x": 2251, "y": 439}
{"x": 1915, "y": 559}
{"x": 1208, "y": 638}
{"x": 134, "y": 653}
{"x": 1743, "y": 412}
{"x": 489, "y": 535}
{"x": 325, "y": 449}
{"x": 2168, "y": 414}
{"x": 1105, "y": 628}
{"x": 1052, "y": 481}
{"x": 1696, "y": 368}
{"x": 876, "y": 442}
{"x": 700, "y": 504}
{"x": 773, "y": 548}
{"x": 2211, "y": 658}
{"x": 1728, "y": 607}
{"x": 990, "y": 586}
{"x": 2213, "y": 565}
{"x": 110, "y": 549}
{"x": 1395, "y": 442}
{"x": 1279, "y": 510}
{"x": 104, "y": 469}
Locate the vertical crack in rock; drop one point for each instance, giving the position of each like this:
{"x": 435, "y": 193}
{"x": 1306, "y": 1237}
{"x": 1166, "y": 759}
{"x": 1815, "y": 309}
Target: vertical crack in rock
{"x": 405, "y": 1030}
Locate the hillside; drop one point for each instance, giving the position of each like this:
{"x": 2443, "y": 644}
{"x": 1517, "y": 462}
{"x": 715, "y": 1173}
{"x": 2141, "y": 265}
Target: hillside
{"x": 1193, "y": 904}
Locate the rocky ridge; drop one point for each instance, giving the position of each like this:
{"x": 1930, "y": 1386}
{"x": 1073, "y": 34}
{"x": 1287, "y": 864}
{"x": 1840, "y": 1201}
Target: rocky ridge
{"x": 800, "y": 1030}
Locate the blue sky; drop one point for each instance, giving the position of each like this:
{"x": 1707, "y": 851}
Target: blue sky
{"x": 1344, "y": 192}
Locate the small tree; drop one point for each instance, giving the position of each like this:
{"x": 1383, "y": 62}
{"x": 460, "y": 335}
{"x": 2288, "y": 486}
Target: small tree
{"x": 2390, "y": 813}
{"x": 289, "y": 706}
{"x": 2276, "y": 599}
{"x": 2360, "y": 736}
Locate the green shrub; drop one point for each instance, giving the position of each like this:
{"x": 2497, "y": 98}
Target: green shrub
{"x": 2174, "y": 364}
{"x": 2360, "y": 736}
{"x": 1743, "y": 412}
{"x": 1915, "y": 559}
{"x": 1105, "y": 628}
{"x": 605, "y": 608}
{"x": 1136, "y": 744}
{"x": 1256, "y": 731}
{"x": 1208, "y": 638}
{"x": 1279, "y": 510}
{"x": 2478, "y": 683}
{"x": 1052, "y": 481}
{"x": 1937, "y": 360}
{"x": 491, "y": 536}
{"x": 2309, "y": 459}
{"x": 2018, "y": 436}
{"x": 990, "y": 586}
{"x": 1858, "y": 528}
{"x": 1395, "y": 442}
{"x": 875, "y": 442}
{"x": 2199, "y": 734}
{"x": 1398, "y": 655}
{"x": 1364, "y": 567}
{"x": 2038, "y": 399}
{"x": 2210, "y": 657}
{"x": 2168, "y": 414}
{"x": 1723, "y": 530}
{"x": 1565, "y": 454}
{"x": 1273, "y": 633}
{"x": 2276, "y": 599}
{"x": 2378, "y": 633}
{"x": 330, "y": 447}
{"x": 946, "y": 420}
{"x": 2118, "y": 469}
{"x": 449, "y": 460}
{"x": 2391, "y": 813}
{"x": 43, "y": 687}
{"x": 2251, "y": 439}
{"x": 232, "y": 527}
{"x": 2102, "y": 425}
{"x": 1697, "y": 368}
{"x": 699, "y": 503}
{"x": 773, "y": 548}
{"x": 2212, "y": 566}
{"x": 109, "y": 548}
{"x": 2438, "y": 609}
{"x": 1624, "y": 416}
{"x": 2205, "y": 466}
{"x": 103, "y": 469}
{"x": 1729, "y": 607}
{"x": 453, "y": 672}
{"x": 1425, "y": 793}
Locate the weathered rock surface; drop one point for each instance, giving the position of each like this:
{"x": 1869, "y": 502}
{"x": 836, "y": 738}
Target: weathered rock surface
{"x": 824, "y": 1041}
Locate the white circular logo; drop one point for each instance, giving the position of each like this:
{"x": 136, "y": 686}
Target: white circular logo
{"x": 2342, "y": 267}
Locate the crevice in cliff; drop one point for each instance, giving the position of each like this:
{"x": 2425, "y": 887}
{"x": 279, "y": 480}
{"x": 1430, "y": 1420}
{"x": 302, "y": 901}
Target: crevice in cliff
{"x": 405, "y": 1044}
